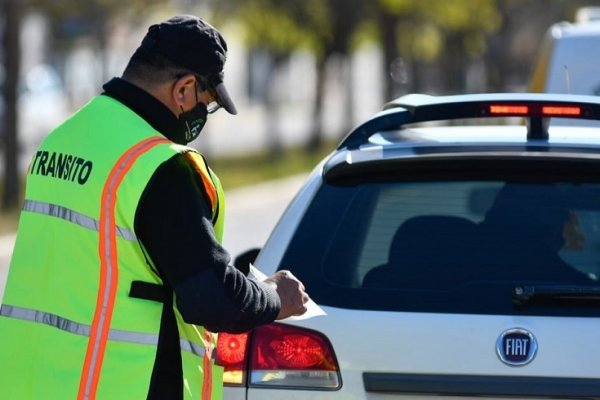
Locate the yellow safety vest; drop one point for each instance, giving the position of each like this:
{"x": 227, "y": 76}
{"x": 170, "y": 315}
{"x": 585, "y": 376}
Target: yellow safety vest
{"x": 69, "y": 326}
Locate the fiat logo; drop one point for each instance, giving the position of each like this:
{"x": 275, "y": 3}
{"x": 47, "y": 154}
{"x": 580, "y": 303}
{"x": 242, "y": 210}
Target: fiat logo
{"x": 516, "y": 347}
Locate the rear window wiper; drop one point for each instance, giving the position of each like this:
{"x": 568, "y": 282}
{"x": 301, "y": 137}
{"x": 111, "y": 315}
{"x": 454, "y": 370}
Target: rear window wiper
{"x": 555, "y": 294}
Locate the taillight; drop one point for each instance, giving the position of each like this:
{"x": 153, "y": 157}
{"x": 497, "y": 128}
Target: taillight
{"x": 231, "y": 354}
{"x": 543, "y": 111}
{"x": 278, "y": 355}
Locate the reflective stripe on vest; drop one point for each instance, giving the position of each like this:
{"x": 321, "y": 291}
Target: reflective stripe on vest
{"x": 76, "y": 328}
{"x": 107, "y": 250}
{"x": 73, "y": 216}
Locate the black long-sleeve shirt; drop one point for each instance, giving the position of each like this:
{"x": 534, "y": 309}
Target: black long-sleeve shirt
{"x": 173, "y": 222}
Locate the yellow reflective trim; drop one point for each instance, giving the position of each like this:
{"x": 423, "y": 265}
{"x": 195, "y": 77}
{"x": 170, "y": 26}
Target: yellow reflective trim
{"x": 200, "y": 166}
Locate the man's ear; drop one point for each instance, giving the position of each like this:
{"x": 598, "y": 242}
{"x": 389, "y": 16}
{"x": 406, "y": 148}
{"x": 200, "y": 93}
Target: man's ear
{"x": 184, "y": 90}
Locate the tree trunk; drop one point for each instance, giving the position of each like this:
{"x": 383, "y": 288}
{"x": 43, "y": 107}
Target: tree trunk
{"x": 12, "y": 56}
{"x": 349, "y": 88}
{"x": 275, "y": 145}
{"x": 392, "y": 73}
{"x": 453, "y": 63}
{"x": 315, "y": 139}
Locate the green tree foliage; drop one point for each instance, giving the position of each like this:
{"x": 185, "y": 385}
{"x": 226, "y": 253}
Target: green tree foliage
{"x": 282, "y": 27}
{"x": 325, "y": 27}
{"x": 423, "y": 32}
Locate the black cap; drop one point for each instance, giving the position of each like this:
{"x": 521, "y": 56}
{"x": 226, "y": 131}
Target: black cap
{"x": 193, "y": 44}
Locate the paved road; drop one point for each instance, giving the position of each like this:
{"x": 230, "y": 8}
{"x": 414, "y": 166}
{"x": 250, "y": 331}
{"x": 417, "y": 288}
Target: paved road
{"x": 250, "y": 215}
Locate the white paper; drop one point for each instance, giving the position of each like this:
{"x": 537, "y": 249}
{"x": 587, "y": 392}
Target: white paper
{"x": 313, "y": 309}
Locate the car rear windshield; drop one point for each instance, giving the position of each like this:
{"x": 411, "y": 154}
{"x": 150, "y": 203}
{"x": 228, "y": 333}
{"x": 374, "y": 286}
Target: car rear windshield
{"x": 457, "y": 245}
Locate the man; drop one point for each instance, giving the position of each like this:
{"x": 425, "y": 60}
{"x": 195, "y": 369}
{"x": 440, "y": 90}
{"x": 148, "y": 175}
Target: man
{"x": 118, "y": 276}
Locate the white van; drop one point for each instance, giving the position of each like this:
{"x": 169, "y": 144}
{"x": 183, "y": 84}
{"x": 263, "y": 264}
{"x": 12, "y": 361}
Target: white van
{"x": 569, "y": 60}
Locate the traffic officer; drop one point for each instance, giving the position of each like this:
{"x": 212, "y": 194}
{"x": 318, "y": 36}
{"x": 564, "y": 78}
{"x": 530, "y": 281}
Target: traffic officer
{"x": 118, "y": 278}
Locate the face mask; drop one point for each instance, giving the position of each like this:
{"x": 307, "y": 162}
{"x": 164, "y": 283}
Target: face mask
{"x": 191, "y": 122}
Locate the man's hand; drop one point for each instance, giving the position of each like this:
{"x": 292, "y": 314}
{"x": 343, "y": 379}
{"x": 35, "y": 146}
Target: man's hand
{"x": 291, "y": 293}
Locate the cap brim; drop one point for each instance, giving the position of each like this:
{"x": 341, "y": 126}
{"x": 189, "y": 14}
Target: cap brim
{"x": 223, "y": 98}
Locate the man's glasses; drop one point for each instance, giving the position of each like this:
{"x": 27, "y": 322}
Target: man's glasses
{"x": 214, "y": 105}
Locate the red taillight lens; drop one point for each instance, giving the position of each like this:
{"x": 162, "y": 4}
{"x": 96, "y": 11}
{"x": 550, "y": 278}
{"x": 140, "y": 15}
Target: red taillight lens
{"x": 560, "y": 110}
{"x": 508, "y": 109}
{"x": 292, "y": 356}
{"x": 290, "y": 347}
{"x": 279, "y": 355}
{"x": 296, "y": 351}
{"x": 232, "y": 348}
{"x": 231, "y": 354}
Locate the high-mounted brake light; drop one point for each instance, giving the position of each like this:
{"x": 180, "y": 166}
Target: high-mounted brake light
{"x": 537, "y": 110}
{"x": 561, "y": 110}
{"x": 508, "y": 109}
{"x": 546, "y": 111}
{"x": 279, "y": 356}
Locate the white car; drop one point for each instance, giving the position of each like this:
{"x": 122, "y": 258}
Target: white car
{"x": 453, "y": 260}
